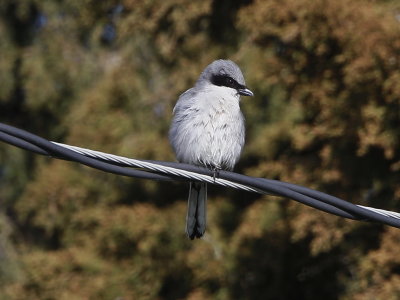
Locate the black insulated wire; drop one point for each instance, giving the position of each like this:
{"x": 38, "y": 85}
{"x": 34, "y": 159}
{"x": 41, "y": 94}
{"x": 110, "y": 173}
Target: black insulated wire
{"x": 324, "y": 202}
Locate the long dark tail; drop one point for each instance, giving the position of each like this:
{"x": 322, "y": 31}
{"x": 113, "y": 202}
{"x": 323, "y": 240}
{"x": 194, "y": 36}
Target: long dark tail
{"x": 196, "y": 213}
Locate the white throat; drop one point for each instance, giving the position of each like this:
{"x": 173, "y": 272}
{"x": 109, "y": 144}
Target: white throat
{"x": 223, "y": 94}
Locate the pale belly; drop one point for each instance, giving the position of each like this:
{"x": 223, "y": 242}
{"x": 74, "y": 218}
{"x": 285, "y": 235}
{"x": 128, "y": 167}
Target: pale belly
{"x": 208, "y": 128}
{"x": 215, "y": 140}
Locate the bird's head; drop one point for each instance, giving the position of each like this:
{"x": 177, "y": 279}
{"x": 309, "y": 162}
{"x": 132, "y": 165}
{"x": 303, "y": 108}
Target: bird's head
{"x": 225, "y": 73}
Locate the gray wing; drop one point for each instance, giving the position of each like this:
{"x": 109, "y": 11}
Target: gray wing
{"x": 183, "y": 112}
{"x": 184, "y": 102}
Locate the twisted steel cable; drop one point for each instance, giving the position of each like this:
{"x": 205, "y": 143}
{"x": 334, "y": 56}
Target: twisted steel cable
{"x": 160, "y": 170}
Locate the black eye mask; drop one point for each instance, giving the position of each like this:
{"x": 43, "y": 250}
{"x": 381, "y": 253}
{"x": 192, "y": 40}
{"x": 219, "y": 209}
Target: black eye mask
{"x": 225, "y": 80}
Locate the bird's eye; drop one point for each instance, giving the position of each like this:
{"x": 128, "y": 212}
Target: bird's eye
{"x": 230, "y": 82}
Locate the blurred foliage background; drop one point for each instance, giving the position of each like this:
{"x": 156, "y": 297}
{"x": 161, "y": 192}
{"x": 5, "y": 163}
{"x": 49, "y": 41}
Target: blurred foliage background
{"x": 106, "y": 74}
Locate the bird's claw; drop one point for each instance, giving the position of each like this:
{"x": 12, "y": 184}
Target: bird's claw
{"x": 215, "y": 173}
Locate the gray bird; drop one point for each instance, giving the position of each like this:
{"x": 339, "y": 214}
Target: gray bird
{"x": 208, "y": 130}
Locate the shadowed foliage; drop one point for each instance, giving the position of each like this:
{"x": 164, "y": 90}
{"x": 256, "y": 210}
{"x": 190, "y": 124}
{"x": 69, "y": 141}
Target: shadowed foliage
{"x": 105, "y": 75}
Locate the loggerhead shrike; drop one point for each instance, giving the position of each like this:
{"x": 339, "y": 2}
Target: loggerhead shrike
{"x": 208, "y": 130}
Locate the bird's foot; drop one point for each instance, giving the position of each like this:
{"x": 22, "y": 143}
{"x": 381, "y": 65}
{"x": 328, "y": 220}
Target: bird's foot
{"x": 215, "y": 172}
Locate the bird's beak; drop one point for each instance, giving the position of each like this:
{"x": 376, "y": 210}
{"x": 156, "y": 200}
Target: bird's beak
{"x": 245, "y": 92}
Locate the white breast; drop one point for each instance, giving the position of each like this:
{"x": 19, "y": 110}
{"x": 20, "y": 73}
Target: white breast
{"x": 208, "y": 127}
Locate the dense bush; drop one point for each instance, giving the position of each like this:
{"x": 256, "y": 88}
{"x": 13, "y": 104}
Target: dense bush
{"x": 105, "y": 75}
